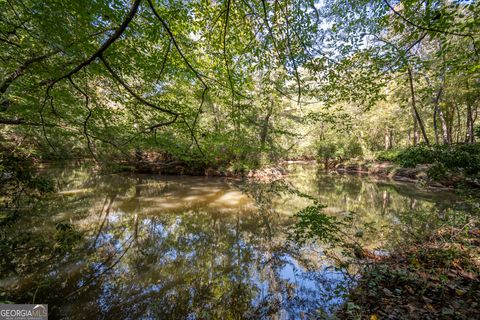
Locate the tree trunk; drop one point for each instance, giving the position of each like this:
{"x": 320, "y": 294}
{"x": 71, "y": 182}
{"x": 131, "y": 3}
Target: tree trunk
{"x": 469, "y": 135}
{"x": 443, "y": 122}
{"x": 391, "y": 138}
{"x": 414, "y": 107}
{"x": 459, "y": 124}
{"x": 388, "y": 138}
{"x": 438, "y": 112}
{"x": 265, "y": 125}
{"x": 469, "y": 138}
{"x": 415, "y": 130}
{"x": 449, "y": 118}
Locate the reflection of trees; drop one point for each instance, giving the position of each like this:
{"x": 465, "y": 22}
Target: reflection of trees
{"x": 376, "y": 206}
{"x": 202, "y": 263}
{"x": 137, "y": 260}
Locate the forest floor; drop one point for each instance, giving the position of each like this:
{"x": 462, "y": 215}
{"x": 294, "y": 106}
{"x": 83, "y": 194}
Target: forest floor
{"x": 435, "y": 279}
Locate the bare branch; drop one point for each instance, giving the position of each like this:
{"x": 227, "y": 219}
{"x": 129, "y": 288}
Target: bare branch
{"x": 428, "y": 28}
{"x": 225, "y": 56}
{"x": 158, "y": 125}
{"x": 175, "y": 43}
{"x": 164, "y": 61}
{"x": 189, "y": 65}
{"x": 295, "y": 67}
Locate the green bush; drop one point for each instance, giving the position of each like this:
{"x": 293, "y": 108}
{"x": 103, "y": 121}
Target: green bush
{"x": 352, "y": 149}
{"x": 463, "y": 158}
{"x": 387, "y": 155}
{"x": 411, "y": 156}
{"x": 20, "y": 182}
{"x": 328, "y": 151}
{"x": 437, "y": 171}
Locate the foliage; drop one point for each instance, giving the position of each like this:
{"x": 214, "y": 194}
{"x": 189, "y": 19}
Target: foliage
{"x": 314, "y": 225}
{"x": 388, "y": 155}
{"x": 19, "y": 182}
{"x": 414, "y": 155}
{"x": 209, "y": 84}
{"x": 434, "y": 273}
{"x": 327, "y": 151}
{"x": 330, "y": 151}
{"x": 66, "y": 236}
{"x": 235, "y": 86}
{"x": 458, "y": 157}
{"x": 198, "y": 87}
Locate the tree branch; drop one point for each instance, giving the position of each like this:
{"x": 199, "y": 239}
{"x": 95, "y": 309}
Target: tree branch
{"x": 189, "y": 65}
{"x": 114, "y": 37}
{"x": 175, "y": 43}
{"x": 21, "y": 69}
{"x": 130, "y": 90}
{"x": 21, "y": 121}
{"x": 85, "y": 122}
{"x": 423, "y": 27}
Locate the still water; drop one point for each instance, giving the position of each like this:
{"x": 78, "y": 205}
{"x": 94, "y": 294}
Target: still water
{"x": 131, "y": 246}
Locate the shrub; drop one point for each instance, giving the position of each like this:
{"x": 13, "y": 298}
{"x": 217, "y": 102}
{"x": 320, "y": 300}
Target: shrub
{"x": 353, "y": 149}
{"x": 19, "y": 182}
{"x": 387, "y": 155}
{"x": 411, "y": 156}
{"x": 463, "y": 158}
{"x": 328, "y": 151}
{"x": 437, "y": 171}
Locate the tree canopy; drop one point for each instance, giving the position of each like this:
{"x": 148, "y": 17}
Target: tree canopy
{"x": 243, "y": 81}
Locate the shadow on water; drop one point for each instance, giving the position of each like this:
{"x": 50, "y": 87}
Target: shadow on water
{"x": 144, "y": 246}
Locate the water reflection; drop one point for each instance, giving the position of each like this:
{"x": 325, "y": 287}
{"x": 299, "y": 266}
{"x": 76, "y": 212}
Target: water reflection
{"x": 196, "y": 248}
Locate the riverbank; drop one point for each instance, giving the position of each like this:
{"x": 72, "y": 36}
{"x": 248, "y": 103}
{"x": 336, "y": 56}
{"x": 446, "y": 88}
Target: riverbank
{"x": 382, "y": 169}
{"x": 385, "y": 169}
{"x": 420, "y": 174}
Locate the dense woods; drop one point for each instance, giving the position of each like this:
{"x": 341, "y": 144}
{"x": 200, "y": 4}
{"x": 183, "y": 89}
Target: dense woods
{"x": 236, "y": 88}
{"x": 236, "y": 85}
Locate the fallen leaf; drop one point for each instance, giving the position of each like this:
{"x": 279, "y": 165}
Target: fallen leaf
{"x": 459, "y": 292}
{"x": 467, "y": 275}
{"x": 447, "y": 311}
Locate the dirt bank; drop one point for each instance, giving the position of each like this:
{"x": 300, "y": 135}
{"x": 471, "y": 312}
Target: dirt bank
{"x": 392, "y": 171}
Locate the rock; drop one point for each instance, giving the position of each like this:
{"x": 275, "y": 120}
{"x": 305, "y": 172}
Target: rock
{"x": 267, "y": 174}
